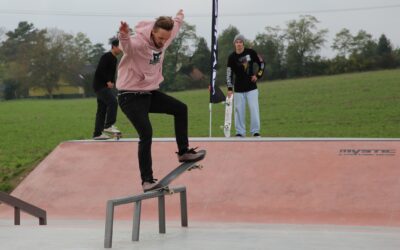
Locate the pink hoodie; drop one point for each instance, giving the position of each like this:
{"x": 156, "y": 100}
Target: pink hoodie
{"x": 140, "y": 68}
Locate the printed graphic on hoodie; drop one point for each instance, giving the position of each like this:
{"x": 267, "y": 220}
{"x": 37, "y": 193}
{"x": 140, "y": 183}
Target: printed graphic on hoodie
{"x": 156, "y": 57}
{"x": 245, "y": 60}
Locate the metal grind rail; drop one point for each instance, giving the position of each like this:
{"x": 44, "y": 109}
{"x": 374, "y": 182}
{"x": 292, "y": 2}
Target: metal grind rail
{"x": 137, "y": 199}
{"x": 19, "y": 205}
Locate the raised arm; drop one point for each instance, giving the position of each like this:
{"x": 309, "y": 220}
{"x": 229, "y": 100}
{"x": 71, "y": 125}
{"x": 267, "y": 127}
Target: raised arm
{"x": 124, "y": 38}
{"x": 180, "y": 14}
{"x": 124, "y": 28}
{"x": 178, "y": 20}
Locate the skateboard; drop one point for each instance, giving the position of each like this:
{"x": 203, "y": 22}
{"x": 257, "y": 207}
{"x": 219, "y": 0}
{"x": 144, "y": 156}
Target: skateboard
{"x": 228, "y": 116}
{"x": 163, "y": 184}
{"x": 116, "y": 136}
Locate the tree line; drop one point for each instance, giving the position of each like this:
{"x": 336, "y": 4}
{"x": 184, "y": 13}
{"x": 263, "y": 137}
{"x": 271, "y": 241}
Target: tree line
{"x": 294, "y": 51}
{"x": 31, "y": 57}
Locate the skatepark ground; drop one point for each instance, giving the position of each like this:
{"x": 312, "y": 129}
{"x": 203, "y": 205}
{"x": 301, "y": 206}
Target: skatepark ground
{"x": 89, "y": 234}
{"x": 263, "y": 193}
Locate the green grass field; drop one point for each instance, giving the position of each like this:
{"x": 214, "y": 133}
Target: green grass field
{"x": 350, "y": 105}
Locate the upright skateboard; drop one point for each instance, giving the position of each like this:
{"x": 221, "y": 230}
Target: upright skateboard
{"x": 228, "y": 116}
{"x": 163, "y": 184}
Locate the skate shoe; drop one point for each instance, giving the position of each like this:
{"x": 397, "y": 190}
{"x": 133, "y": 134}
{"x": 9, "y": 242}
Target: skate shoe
{"x": 191, "y": 155}
{"x": 112, "y": 130}
{"x": 103, "y": 136}
{"x": 148, "y": 185}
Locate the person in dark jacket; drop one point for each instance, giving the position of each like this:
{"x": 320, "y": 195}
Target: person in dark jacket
{"x": 240, "y": 64}
{"x": 103, "y": 84}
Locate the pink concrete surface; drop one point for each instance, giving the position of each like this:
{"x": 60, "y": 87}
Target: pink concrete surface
{"x": 311, "y": 182}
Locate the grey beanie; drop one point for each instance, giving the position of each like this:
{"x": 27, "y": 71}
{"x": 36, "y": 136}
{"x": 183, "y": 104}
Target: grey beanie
{"x": 239, "y": 37}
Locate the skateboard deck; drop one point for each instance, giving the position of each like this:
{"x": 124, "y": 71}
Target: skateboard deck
{"x": 228, "y": 116}
{"x": 163, "y": 184}
{"x": 116, "y": 136}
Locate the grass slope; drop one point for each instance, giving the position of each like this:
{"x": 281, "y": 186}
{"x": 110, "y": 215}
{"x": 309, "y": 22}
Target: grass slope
{"x": 350, "y": 105}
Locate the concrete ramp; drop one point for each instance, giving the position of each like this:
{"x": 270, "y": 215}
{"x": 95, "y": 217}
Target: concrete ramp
{"x": 332, "y": 181}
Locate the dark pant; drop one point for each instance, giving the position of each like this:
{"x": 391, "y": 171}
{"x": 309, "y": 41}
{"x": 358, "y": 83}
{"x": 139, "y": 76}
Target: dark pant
{"x": 137, "y": 106}
{"x": 107, "y": 107}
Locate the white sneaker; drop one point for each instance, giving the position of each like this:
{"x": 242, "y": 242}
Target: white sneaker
{"x": 103, "y": 136}
{"x": 112, "y": 130}
{"x": 191, "y": 155}
{"x": 149, "y": 185}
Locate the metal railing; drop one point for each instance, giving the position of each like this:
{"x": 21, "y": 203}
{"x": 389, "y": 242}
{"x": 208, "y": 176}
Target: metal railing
{"x": 19, "y": 205}
{"x": 137, "y": 199}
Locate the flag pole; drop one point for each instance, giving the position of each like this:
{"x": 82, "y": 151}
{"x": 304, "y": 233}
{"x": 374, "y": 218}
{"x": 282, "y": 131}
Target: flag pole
{"x": 216, "y": 94}
{"x": 213, "y": 58}
{"x": 210, "y": 109}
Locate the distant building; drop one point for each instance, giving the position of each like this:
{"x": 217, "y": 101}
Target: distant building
{"x": 196, "y": 74}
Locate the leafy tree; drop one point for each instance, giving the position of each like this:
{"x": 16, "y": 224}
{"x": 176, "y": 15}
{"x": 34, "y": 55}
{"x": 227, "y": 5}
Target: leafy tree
{"x": 201, "y": 56}
{"x": 386, "y": 57}
{"x": 396, "y": 54}
{"x": 338, "y": 65}
{"x": 317, "y": 66}
{"x": 177, "y": 55}
{"x": 96, "y": 51}
{"x": 79, "y": 60}
{"x": 2, "y": 34}
{"x": 86, "y": 74}
{"x": 43, "y": 58}
{"x": 198, "y": 65}
{"x": 16, "y": 51}
{"x": 343, "y": 43}
{"x": 271, "y": 47}
{"x": 364, "y": 52}
{"x": 46, "y": 63}
{"x": 360, "y": 42}
{"x": 304, "y": 40}
{"x": 295, "y": 62}
{"x": 384, "y": 45}
{"x": 20, "y": 41}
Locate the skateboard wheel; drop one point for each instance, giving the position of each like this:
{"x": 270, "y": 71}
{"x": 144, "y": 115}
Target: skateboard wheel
{"x": 198, "y": 166}
{"x": 169, "y": 191}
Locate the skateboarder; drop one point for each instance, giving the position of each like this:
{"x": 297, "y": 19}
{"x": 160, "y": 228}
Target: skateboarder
{"x": 241, "y": 63}
{"x": 103, "y": 84}
{"x": 139, "y": 79}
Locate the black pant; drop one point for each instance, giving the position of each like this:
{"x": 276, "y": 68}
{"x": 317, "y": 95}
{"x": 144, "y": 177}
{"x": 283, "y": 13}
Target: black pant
{"x": 137, "y": 107}
{"x": 107, "y": 107}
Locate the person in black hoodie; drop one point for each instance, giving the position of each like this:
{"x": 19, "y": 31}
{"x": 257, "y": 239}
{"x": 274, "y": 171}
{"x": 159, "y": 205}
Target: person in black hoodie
{"x": 103, "y": 84}
{"x": 240, "y": 64}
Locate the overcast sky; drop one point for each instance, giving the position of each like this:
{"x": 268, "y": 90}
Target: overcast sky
{"x": 99, "y": 19}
